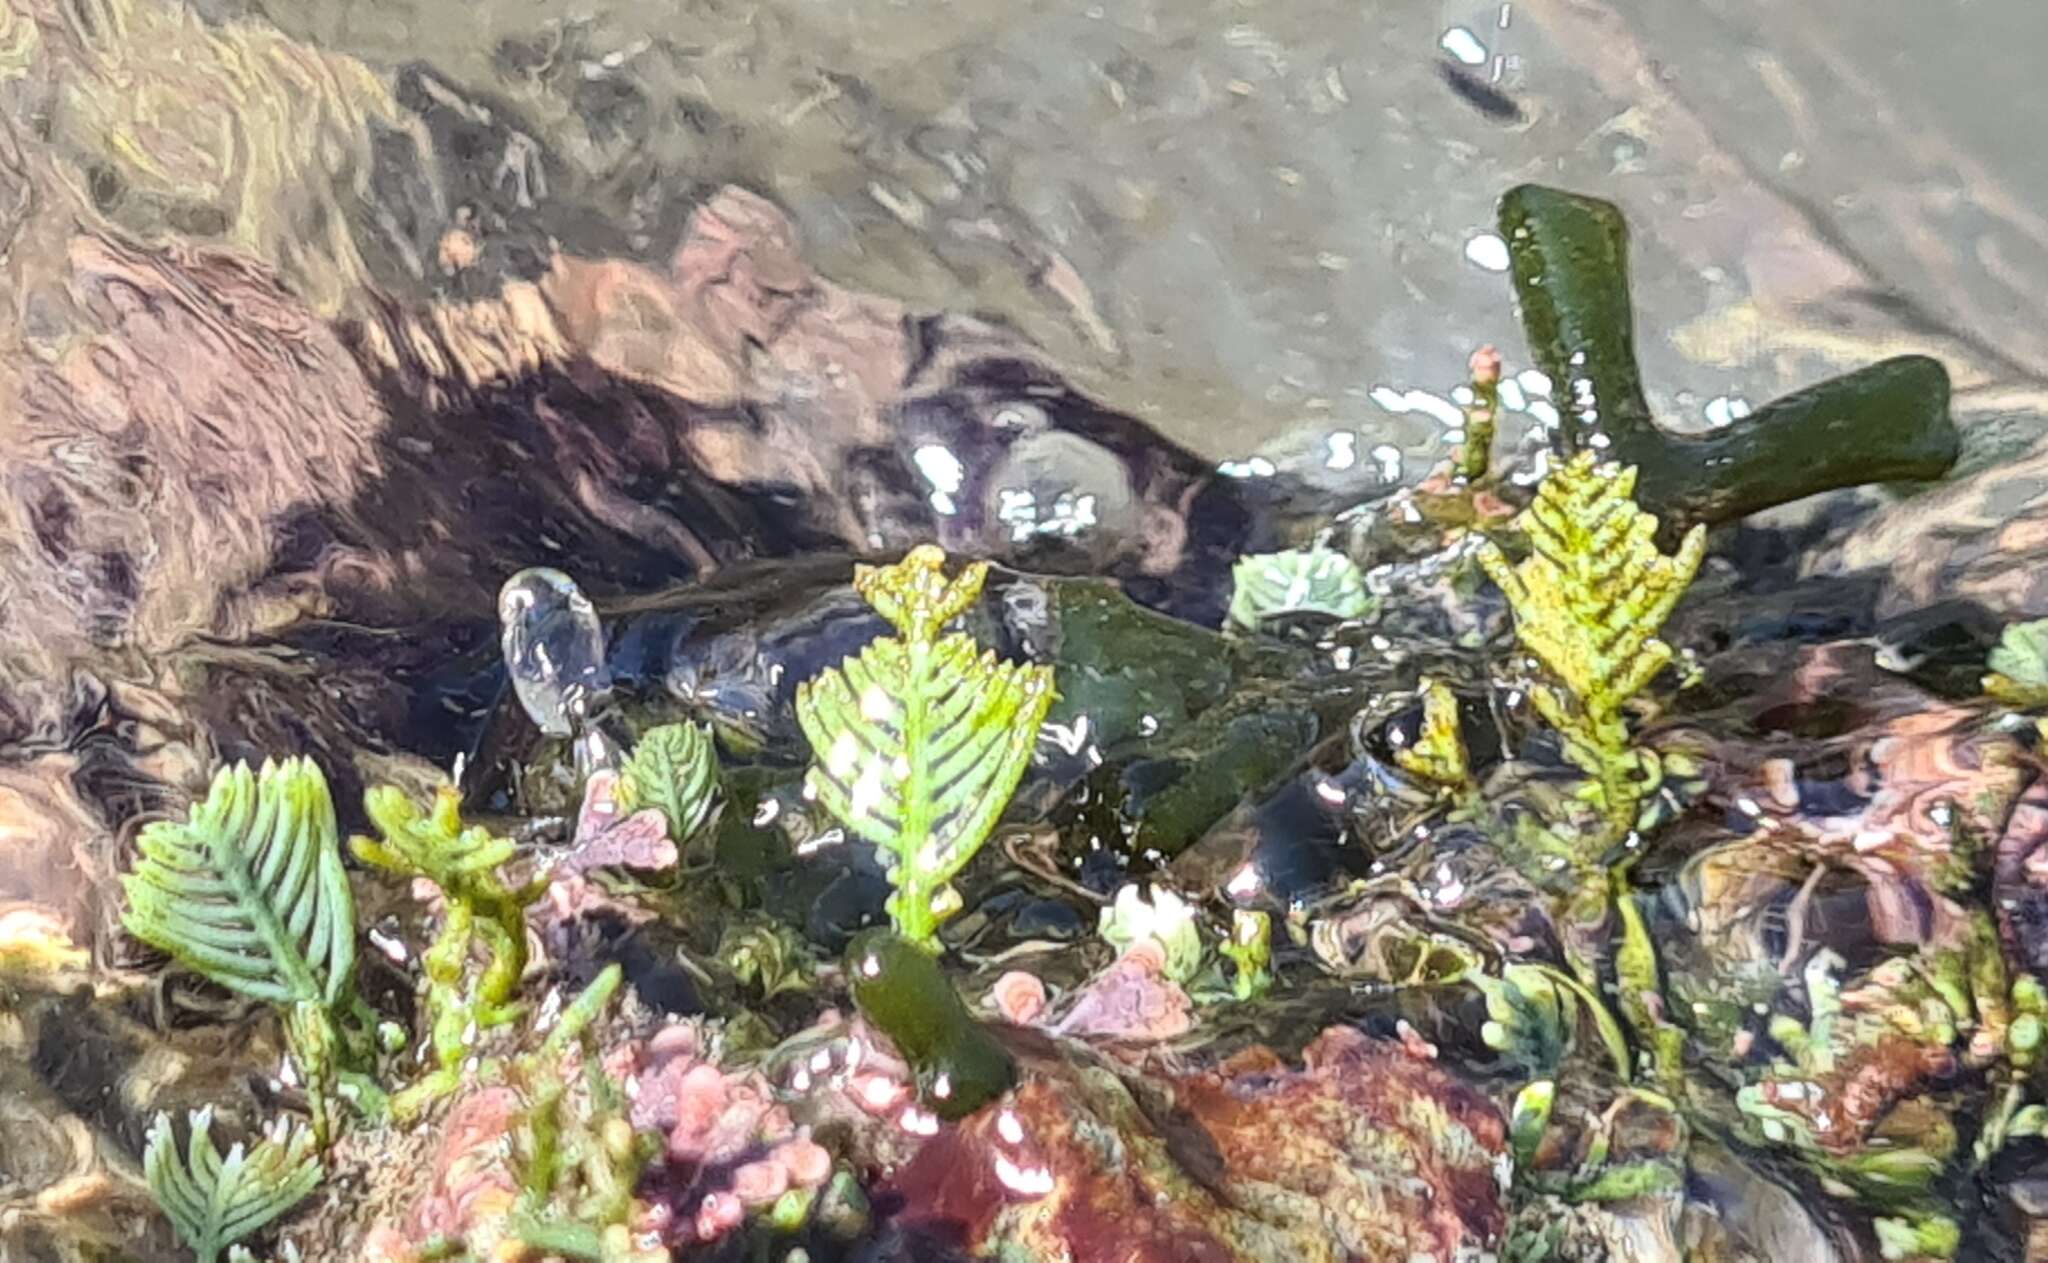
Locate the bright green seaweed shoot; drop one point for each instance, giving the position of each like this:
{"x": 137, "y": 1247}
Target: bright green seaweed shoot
{"x": 922, "y": 738}
{"x": 478, "y": 909}
{"x": 249, "y": 891}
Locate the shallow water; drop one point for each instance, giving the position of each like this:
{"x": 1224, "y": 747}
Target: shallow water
{"x": 330, "y": 318}
{"x": 1237, "y": 219}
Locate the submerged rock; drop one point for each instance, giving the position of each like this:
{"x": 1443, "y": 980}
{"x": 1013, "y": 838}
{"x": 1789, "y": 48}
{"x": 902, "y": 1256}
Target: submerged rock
{"x": 1980, "y": 538}
{"x": 1361, "y": 1153}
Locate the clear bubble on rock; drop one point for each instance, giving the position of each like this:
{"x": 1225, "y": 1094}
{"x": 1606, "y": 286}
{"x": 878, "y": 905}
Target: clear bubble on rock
{"x": 554, "y": 649}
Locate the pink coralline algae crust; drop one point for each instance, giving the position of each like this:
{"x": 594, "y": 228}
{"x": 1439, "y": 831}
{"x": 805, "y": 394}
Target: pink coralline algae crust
{"x": 608, "y": 838}
{"x": 730, "y": 1147}
{"x": 471, "y": 1186}
{"x": 1133, "y": 1000}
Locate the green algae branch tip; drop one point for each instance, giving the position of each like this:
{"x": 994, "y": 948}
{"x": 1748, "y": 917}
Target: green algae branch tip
{"x": 478, "y": 909}
{"x": 1529, "y": 1120}
{"x": 921, "y": 739}
{"x": 1475, "y": 455}
{"x": 959, "y": 1064}
{"x": 1888, "y": 422}
{"x": 249, "y": 891}
{"x": 215, "y": 1201}
{"x": 1569, "y": 256}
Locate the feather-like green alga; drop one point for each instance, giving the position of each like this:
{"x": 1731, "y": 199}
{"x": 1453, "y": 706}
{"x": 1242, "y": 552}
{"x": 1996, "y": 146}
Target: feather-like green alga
{"x": 249, "y": 891}
{"x": 921, "y": 739}
{"x": 674, "y": 769}
{"x": 1588, "y": 601}
{"x": 215, "y": 1201}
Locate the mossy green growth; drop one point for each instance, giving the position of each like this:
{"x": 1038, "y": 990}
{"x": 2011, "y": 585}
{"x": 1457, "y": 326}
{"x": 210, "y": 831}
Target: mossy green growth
{"x": 959, "y": 1065}
{"x": 575, "y": 1155}
{"x": 478, "y": 908}
{"x": 1895, "y": 1012}
{"x": 921, "y": 739}
{"x": 215, "y": 1201}
{"x": 1928, "y": 1237}
{"x": 1158, "y": 915}
{"x": 249, "y": 891}
{"x": 767, "y": 955}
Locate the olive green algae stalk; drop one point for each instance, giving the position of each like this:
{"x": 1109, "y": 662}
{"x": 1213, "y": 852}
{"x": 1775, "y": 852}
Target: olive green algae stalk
{"x": 1887, "y": 422}
{"x": 922, "y": 738}
{"x": 959, "y": 1065}
{"x": 1475, "y": 455}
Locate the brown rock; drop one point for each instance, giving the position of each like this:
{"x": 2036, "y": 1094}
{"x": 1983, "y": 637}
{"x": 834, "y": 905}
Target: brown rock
{"x": 1362, "y": 1153}
{"x": 1980, "y": 538}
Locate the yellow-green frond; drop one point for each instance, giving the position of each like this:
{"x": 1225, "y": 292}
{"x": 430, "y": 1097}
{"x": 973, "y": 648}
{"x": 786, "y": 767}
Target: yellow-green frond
{"x": 915, "y": 595}
{"x": 1594, "y": 590}
{"x": 920, "y": 740}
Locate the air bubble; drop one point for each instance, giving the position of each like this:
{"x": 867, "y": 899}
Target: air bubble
{"x": 554, "y": 649}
